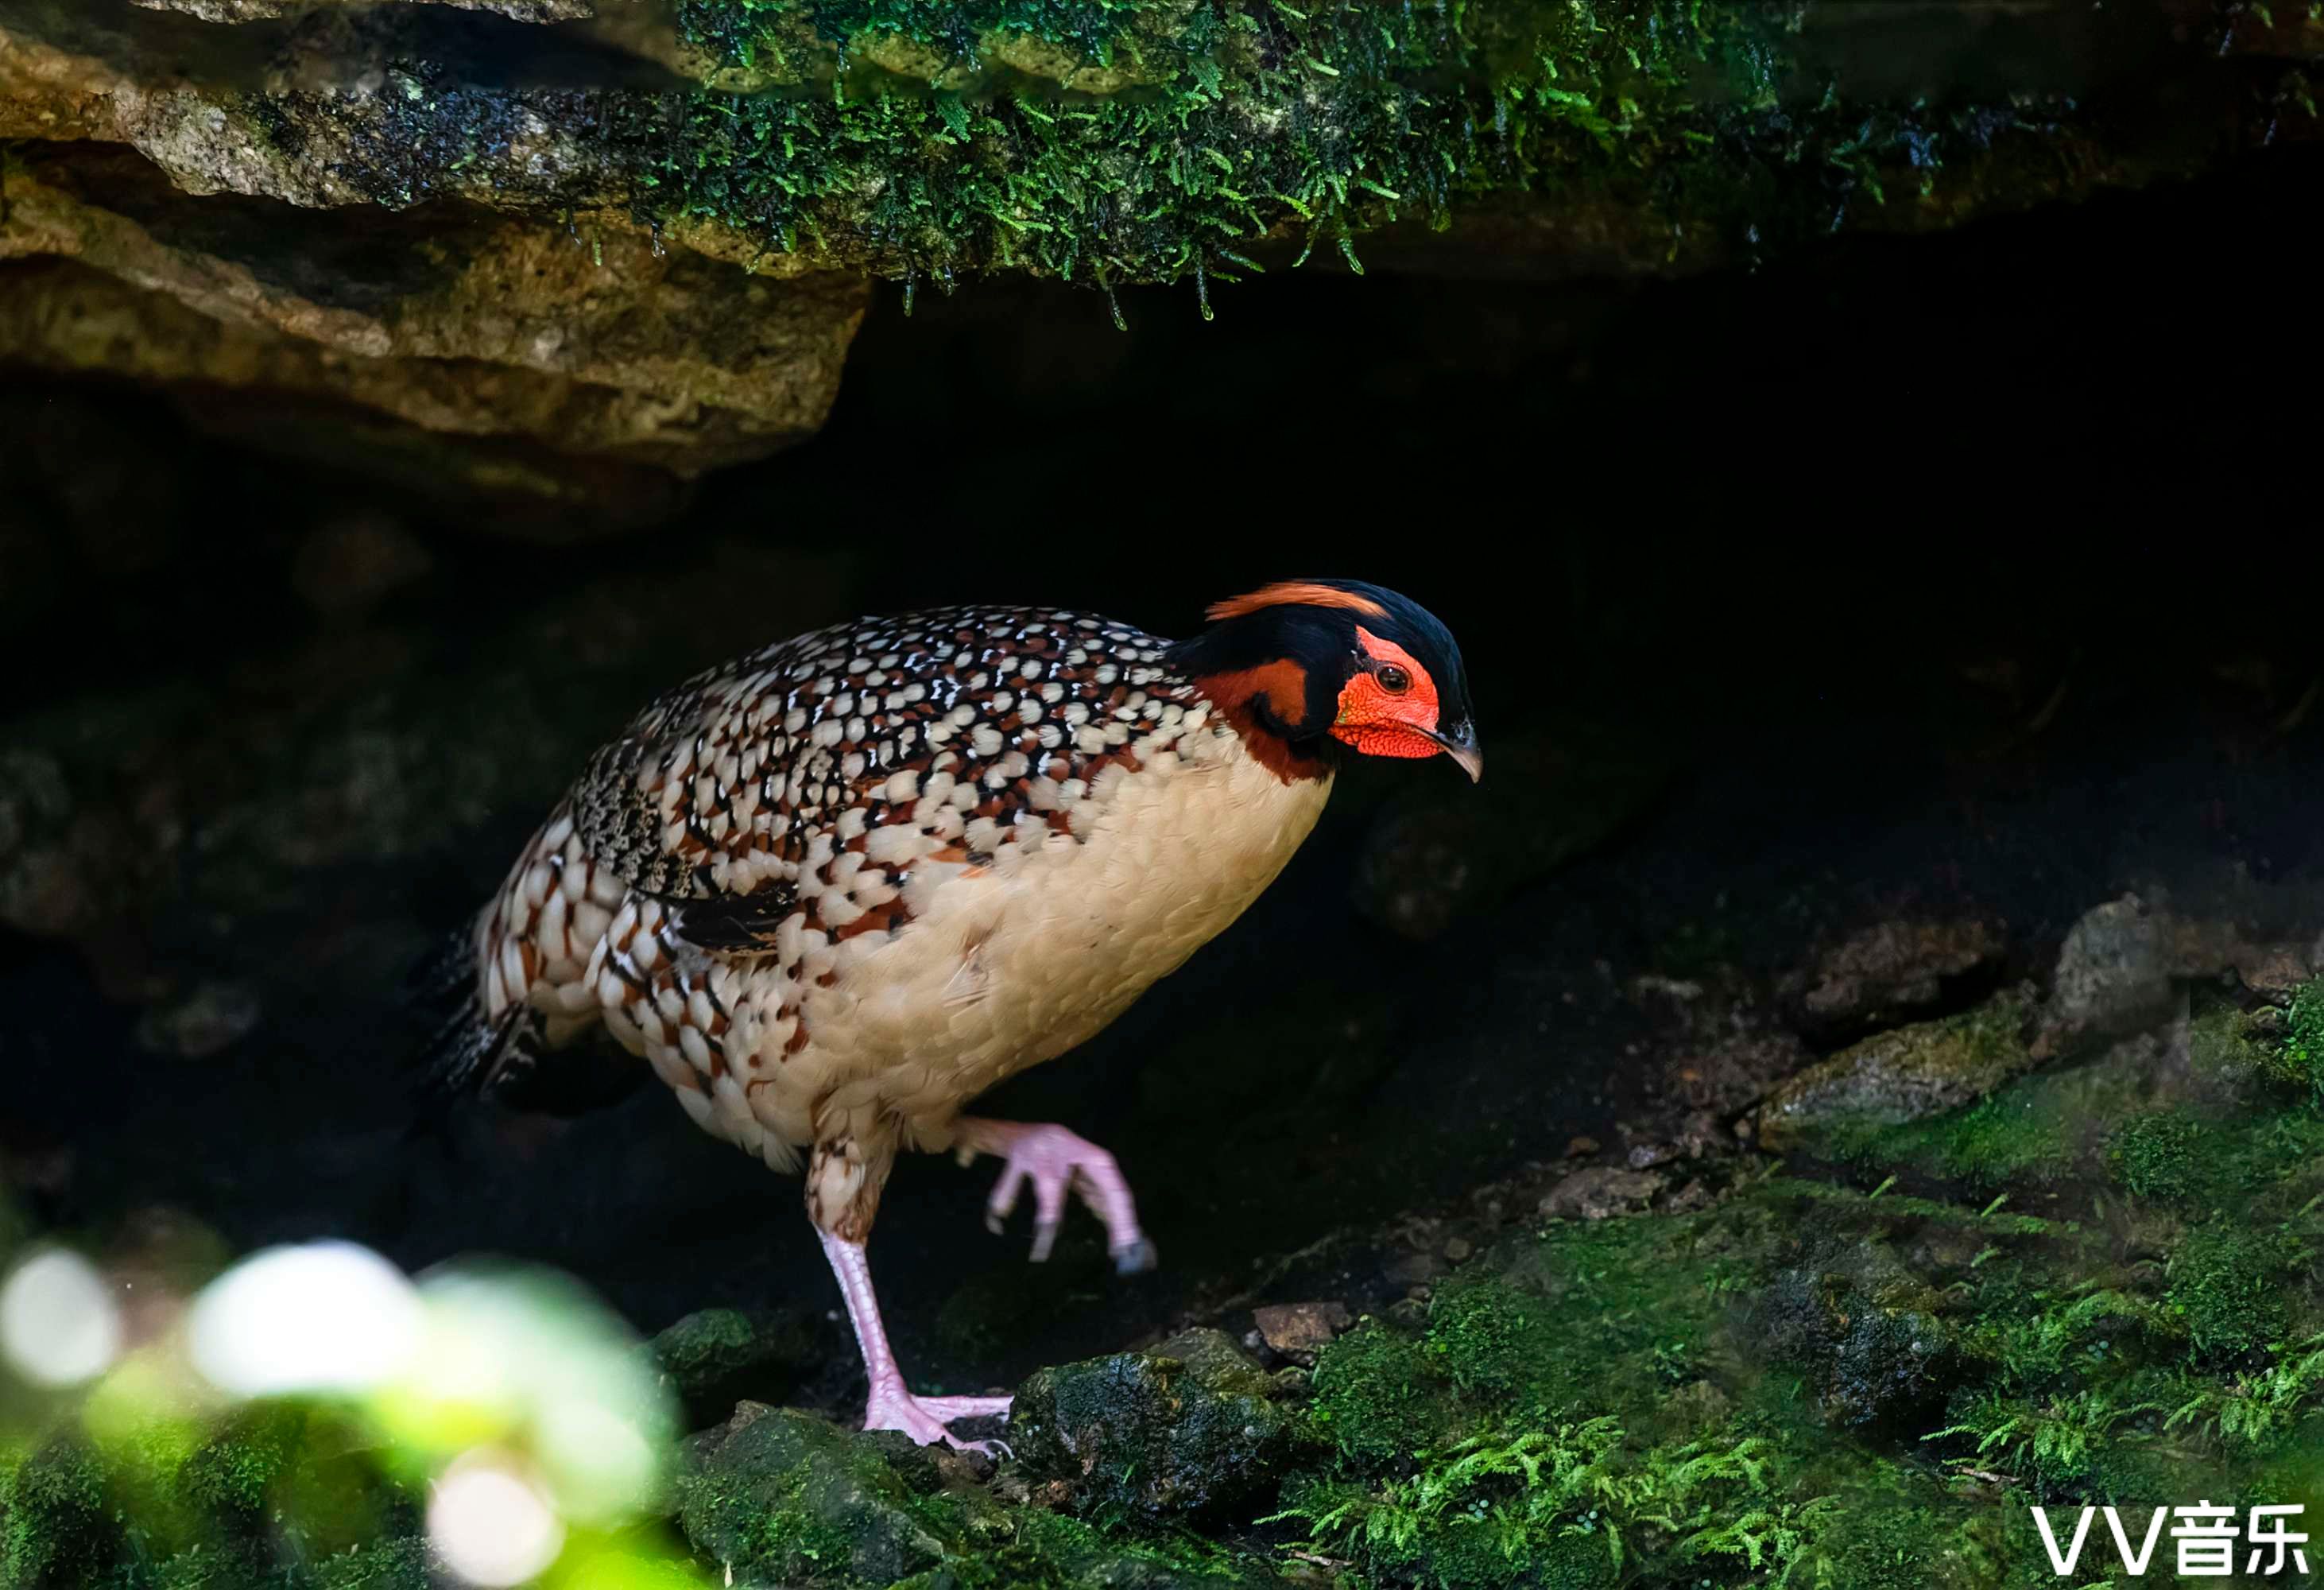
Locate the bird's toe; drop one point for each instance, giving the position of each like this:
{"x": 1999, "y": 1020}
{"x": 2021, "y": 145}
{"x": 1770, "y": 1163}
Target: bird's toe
{"x": 1136, "y": 1258}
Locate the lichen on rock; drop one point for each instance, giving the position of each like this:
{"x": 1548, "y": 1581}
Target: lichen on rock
{"x": 1180, "y": 1432}
{"x": 638, "y": 234}
{"x": 1901, "y": 1075}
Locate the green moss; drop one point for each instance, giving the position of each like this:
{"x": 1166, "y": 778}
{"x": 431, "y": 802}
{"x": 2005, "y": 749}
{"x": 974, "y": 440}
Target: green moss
{"x": 1572, "y": 1505}
{"x": 2165, "y": 1155}
{"x": 1880, "y": 1096}
{"x": 1027, "y": 1549}
{"x": 1841, "y": 1352}
{"x": 1888, "y": 1526}
{"x": 398, "y": 1563}
{"x": 786, "y": 1498}
{"x": 2227, "y": 1285}
{"x": 1997, "y": 1139}
{"x": 1380, "y": 1398}
{"x": 1187, "y": 1429}
{"x": 56, "y": 1517}
{"x": 1105, "y": 141}
{"x": 2298, "y": 1063}
{"x": 1495, "y": 1343}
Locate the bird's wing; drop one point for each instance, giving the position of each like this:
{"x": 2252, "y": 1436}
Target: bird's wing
{"x": 739, "y": 798}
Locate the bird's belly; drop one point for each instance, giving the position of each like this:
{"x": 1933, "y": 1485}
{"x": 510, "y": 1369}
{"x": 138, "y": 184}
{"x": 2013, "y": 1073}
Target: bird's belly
{"x": 1017, "y": 962}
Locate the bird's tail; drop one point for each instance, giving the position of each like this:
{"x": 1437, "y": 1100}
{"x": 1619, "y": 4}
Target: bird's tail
{"x": 465, "y": 1048}
{"x": 511, "y": 1059}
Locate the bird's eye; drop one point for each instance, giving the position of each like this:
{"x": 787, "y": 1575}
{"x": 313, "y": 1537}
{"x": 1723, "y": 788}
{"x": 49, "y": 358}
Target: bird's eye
{"x": 1394, "y": 680}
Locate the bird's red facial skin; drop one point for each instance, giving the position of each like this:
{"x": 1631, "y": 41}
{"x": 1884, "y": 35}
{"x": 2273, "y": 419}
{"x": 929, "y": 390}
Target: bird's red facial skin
{"x": 1379, "y": 721}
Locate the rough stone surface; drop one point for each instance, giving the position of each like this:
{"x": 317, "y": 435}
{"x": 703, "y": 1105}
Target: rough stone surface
{"x": 717, "y": 1357}
{"x": 1901, "y": 1075}
{"x": 2113, "y": 977}
{"x": 1176, "y": 1431}
{"x": 1601, "y": 1193}
{"x": 2208, "y": 947}
{"x": 584, "y": 321}
{"x": 1891, "y": 970}
{"x": 776, "y": 1495}
{"x": 231, "y": 11}
{"x": 510, "y": 356}
{"x": 1866, "y": 1327}
{"x": 1297, "y": 1329}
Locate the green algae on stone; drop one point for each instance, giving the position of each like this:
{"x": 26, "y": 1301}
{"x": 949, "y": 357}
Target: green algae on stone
{"x": 1900, "y": 1076}
{"x": 1109, "y": 143}
{"x": 56, "y": 1515}
{"x": 277, "y": 1494}
{"x": 717, "y": 1357}
{"x": 1888, "y": 1379}
{"x": 2164, "y": 1155}
{"x": 1185, "y": 1429}
{"x": 783, "y": 1497}
{"x": 777, "y": 1497}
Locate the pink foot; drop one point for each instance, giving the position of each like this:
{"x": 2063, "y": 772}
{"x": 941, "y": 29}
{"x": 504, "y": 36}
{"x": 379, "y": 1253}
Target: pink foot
{"x": 1055, "y": 1162}
{"x": 894, "y": 1408}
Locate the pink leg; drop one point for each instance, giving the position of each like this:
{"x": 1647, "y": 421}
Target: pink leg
{"x": 1057, "y": 1161}
{"x": 892, "y": 1405}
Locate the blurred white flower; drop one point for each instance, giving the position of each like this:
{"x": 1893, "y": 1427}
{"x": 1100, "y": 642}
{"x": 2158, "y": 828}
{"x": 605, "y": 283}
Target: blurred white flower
{"x": 320, "y": 1317}
{"x": 530, "y": 1358}
{"x": 491, "y": 1522}
{"x": 59, "y": 1325}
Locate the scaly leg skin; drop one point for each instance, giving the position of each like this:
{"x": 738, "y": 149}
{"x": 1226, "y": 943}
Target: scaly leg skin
{"x": 892, "y": 1406}
{"x": 1057, "y": 1161}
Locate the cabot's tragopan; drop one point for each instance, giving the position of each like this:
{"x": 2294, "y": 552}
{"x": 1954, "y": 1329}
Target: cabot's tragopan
{"x": 834, "y": 890}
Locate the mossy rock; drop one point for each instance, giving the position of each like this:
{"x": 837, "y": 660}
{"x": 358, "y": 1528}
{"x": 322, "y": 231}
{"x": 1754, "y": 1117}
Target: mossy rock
{"x": 1899, "y": 1075}
{"x": 1875, "y": 1357}
{"x": 1183, "y": 1430}
{"x": 778, "y": 1497}
{"x": 2230, "y": 1284}
{"x": 781, "y": 1497}
{"x": 57, "y": 1519}
{"x": 397, "y": 1563}
{"x": 1380, "y": 1396}
{"x": 717, "y": 1357}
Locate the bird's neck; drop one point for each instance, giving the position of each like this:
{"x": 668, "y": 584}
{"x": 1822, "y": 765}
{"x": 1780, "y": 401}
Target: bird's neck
{"x": 1259, "y": 704}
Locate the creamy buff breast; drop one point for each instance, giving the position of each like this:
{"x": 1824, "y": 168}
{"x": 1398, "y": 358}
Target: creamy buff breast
{"x": 1017, "y": 963}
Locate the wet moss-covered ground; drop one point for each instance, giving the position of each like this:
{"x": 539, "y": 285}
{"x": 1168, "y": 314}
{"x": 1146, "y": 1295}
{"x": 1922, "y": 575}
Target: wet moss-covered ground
{"x": 2096, "y": 1284}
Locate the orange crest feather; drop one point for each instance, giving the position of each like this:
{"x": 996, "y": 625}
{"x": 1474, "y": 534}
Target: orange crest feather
{"x": 1305, "y": 593}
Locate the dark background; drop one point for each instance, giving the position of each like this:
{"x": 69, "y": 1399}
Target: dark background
{"x": 1960, "y": 572}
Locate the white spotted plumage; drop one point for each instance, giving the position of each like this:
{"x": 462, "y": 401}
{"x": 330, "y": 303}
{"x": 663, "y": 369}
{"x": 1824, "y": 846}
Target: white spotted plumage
{"x": 834, "y": 890}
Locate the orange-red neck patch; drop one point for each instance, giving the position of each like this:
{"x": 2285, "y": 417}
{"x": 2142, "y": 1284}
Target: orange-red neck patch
{"x": 1278, "y": 691}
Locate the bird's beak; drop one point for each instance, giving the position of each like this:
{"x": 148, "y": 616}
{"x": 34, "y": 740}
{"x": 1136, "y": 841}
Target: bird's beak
{"x": 1461, "y": 745}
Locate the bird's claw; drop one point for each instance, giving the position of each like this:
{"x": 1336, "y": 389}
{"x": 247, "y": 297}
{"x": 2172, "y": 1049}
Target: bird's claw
{"x": 1054, "y": 1162}
{"x": 925, "y": 1419}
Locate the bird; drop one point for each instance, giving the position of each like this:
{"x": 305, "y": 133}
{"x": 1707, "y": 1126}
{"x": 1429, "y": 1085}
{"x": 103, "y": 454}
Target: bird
{"x": 833, "y": 890}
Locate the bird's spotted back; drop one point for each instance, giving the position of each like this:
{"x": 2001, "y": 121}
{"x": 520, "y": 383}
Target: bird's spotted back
{"x": 834, "y": 888}
{"x": 968, "y": 726}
